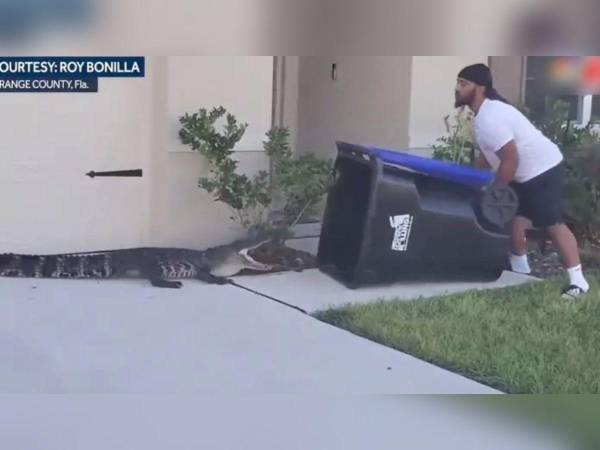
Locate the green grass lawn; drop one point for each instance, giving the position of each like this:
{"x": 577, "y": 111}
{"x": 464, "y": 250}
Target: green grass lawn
{"x": 518, "y": 340}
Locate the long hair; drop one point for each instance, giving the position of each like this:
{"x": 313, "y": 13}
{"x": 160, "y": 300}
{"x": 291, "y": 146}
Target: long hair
{"x": 493, "y": 94}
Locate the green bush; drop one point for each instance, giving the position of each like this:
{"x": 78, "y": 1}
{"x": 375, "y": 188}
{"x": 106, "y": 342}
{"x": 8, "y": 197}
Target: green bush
{"x": 298, "y": 184}
{"x": 458, "y": 146}
{"x": 560, "y": 130}
{"x": 582, "y": 188}
{"x": 301, "y": 181}
{"x": 581, "y": 149}
{"x": 248, "y": 198}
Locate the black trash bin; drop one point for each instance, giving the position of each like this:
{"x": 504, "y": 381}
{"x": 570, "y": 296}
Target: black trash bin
{"x": 391, "y": 216}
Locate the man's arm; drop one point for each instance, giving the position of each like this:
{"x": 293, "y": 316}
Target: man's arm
{"x": 509, "y": 161}
{"x": 481, "y": 163}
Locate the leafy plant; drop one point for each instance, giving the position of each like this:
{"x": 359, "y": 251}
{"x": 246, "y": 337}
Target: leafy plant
{"x": 247, "y": 198}
{"x": 582, "y": 188}
{"x": 581, "y": 150}
{"x": 559, "y": 129}
{"x": 296, "y": 185}
{"x": 301, "y": 181}
{"x": 459, "y": 145}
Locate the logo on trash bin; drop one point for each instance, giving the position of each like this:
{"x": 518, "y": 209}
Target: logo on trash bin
{"x": 402, "y": 224}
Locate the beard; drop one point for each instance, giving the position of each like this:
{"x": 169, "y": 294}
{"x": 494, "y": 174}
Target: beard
{"x": 463, "y": 101}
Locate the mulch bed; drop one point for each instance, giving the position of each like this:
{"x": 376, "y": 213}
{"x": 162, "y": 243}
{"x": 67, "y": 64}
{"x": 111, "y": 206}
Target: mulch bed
{"x": 545, "y": 261}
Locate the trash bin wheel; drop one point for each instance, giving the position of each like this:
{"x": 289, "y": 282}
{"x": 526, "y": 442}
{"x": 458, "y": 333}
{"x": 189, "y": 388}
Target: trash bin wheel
{"x": 499, "y": 205}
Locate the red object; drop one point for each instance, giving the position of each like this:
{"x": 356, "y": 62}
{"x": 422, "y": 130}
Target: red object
{"x": 591, "y": 73}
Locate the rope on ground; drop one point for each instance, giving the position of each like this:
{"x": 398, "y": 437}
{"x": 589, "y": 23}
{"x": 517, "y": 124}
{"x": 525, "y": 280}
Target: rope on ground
{"x": 233, "y": 283}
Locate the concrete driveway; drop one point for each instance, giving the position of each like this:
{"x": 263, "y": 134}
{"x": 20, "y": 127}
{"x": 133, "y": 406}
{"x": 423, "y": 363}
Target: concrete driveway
{"x": 219, "y": 353}
{"x": 125, "y": 336}
{"x": 314, "y": 291}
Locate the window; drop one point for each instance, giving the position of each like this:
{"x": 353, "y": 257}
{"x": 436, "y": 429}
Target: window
{"x": 539, "y": 96}
{"x": 596, "y": 109}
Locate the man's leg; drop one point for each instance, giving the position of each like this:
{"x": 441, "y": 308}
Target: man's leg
{"x": 518, "y": 236}
{"x": 564, "y": 240}
{"x": 566, "y": 244}
{"x": 545, "y": 202}
{"x": 518, "y": 257}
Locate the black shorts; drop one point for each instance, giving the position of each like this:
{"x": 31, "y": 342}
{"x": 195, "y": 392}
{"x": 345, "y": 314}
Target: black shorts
{"x": 541, "y": 198}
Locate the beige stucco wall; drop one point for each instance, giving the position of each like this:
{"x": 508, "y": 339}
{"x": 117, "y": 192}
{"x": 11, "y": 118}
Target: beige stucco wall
{"x": 432, "y": 95}
{"x": 50, "y": 141}
{"x": 287, "y": 92}
{"x": 368, "y": 103}
{"x": 393, "y": 102}
{"x": 181, "y": 213}
{"x": 242, "y": 84}
{"x": 509, "y": 73}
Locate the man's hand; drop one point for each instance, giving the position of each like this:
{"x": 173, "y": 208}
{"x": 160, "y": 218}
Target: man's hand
{"x": 509, "y": 161}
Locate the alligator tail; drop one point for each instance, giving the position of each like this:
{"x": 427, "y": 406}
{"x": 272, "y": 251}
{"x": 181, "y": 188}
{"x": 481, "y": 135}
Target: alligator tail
{"x": 57, "y": 266}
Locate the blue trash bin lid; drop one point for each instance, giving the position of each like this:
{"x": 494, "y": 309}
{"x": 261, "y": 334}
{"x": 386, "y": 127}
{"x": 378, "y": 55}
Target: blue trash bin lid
{"x": 435, "y": 168}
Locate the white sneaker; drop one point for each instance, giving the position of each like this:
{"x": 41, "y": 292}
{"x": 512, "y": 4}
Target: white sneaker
{"x": 573, "y": 292}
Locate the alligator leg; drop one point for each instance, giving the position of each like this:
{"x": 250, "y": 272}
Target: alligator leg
{"x": 153, "y": 271}
{"x": 209, "y": 278}
{"x": 159, "y": 282}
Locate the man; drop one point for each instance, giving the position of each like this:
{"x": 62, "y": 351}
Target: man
{"x": 528, "y": 161}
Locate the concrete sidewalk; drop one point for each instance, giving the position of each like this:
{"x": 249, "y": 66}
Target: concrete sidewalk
{"x": 125, "y": 336}
{"x": 314, "y": 291}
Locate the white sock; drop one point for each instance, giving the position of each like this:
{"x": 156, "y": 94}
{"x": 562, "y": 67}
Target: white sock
{"x": 577, "y": 278}
{"x": 519, "y": 263}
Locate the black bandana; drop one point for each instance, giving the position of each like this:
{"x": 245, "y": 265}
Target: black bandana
{"x": 477, "y": 73}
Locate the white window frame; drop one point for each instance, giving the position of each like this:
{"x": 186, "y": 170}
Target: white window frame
{"x": 584, "y": 114}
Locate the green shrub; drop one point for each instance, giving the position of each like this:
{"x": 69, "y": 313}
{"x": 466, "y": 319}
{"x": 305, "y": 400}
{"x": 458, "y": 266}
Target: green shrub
{"x": 458, "y": 146}
{"x": 581, "y": 149}
{"x": 298, "y": 184}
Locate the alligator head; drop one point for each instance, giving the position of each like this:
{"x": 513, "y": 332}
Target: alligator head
{"x": 228, "y": 260}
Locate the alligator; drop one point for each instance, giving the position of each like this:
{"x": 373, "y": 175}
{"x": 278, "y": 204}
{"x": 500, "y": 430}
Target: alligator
{"x": 161, "y": 266}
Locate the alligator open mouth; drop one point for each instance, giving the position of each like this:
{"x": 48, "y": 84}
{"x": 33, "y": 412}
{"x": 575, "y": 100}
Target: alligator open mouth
{"x": 251, "y": 262}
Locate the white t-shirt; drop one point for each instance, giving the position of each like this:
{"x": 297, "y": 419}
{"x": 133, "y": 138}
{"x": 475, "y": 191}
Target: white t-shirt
{"x": 497, "y": 123}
